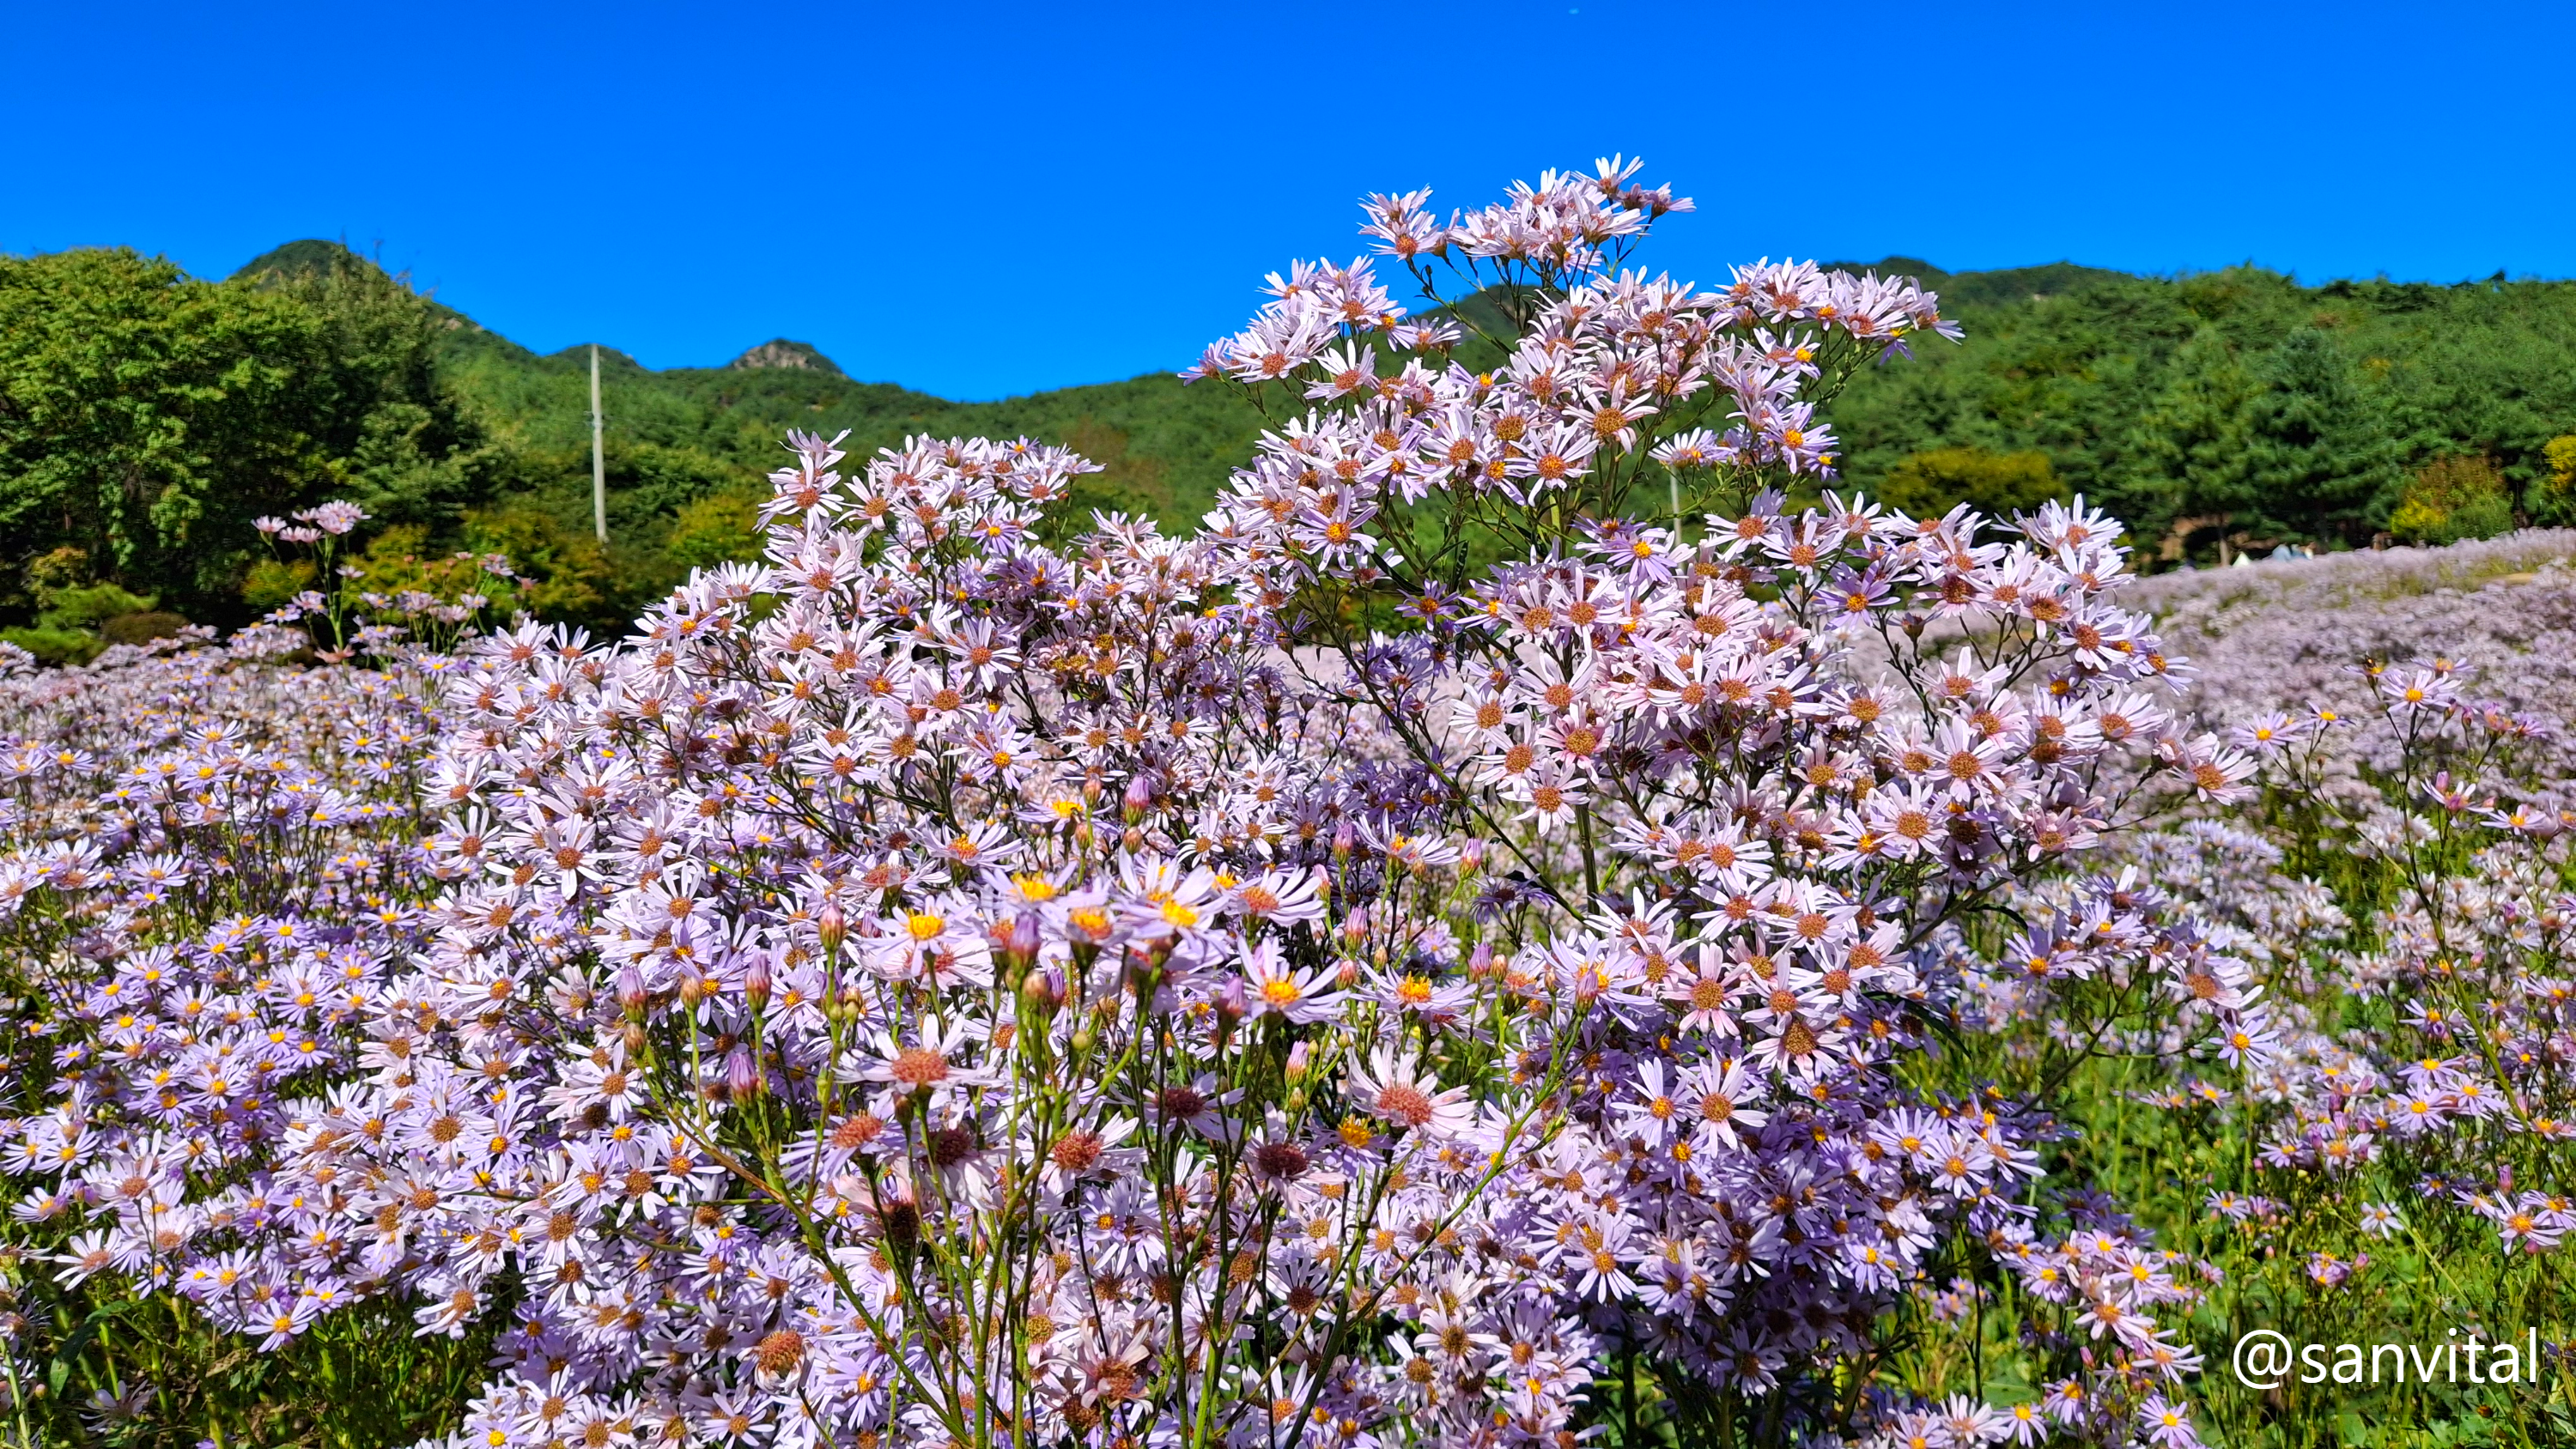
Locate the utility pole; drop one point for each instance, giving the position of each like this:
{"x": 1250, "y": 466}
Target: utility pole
{"x": 598, "y": 459}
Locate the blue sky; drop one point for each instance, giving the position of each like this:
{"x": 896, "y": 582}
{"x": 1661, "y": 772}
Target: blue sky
{"x": 981, "y": 200}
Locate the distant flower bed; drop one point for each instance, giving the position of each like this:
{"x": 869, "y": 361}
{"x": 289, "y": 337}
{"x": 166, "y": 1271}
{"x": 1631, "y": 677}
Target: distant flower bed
{"x": 1511, "y": 934}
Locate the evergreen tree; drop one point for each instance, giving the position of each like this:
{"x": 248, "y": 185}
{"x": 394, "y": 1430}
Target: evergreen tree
{"x": 2323, "y": 460}
{"x": 404, "y": 444}
{"x": 2186, "y": 455}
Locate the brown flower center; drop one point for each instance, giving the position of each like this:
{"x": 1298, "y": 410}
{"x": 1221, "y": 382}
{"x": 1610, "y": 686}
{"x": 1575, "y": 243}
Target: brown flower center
{"x": 919, "y": 1067}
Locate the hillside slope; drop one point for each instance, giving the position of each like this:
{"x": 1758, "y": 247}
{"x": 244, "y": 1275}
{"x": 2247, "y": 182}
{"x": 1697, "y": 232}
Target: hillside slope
{"x": 2232, "y": 405}
{"x": 2294, "y": 412}
{"x": 149, "y": 418}
{"x": 676, "y": 433}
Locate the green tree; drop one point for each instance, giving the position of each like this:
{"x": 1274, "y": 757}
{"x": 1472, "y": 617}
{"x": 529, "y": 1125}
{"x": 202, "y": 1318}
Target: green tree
{"x": 2186, "y": 454}
{"x": 402, "y": 443}
{"x": 147, "y": 417}
{"x": 2323, "y": 460}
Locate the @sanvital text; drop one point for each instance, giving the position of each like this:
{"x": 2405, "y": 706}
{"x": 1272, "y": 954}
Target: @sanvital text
{"x": 2266, "y": 1359}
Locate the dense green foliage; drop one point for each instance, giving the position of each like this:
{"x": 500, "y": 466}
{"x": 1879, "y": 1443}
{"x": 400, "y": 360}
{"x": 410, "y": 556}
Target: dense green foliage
{"x": 147, "y": 417}
{"x": 2238, "y": 404}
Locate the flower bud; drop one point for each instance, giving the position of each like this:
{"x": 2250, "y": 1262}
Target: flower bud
{"x": 756, "y": 983}
{"x": 1345, "y": 840}
{"x": 1300, "y": 1059}
{"x": 1480, "y": 962}
{"x": 831, "y": 927}
{"x": 630, "y": 992}
{"x": 1471, "y": 858}
{"x": 742, "y": 1074}
{"x": 1043, "y": 989}
{"x": 1021, "y": 942}
{"x": 1138, "y": 799}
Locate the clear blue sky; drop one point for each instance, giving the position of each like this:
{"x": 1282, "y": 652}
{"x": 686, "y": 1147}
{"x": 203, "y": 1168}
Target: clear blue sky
{"x": 981, "y": 200}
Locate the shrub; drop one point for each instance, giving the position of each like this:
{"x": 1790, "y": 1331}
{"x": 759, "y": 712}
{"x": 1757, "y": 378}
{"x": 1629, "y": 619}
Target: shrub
{"x": 2454, "y": 498}
{"x": 1998, "y": 485}
{"x": 88, "y": 606}
{"x": 55, "y": 645}
{"x": 141, "y": 627}
{"x": 565, "y": 572}
{"x": 2553, "y": 497}
{"x": 721, "y": 528}
{"x": 272, "y": 581}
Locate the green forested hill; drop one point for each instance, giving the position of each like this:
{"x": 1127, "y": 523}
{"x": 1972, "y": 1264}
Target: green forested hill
{"x": 672, "y": 434}
{"x": 146, "y": 417}
{"x": 2257, "y": 409}
{"x": 2239, "y": 399}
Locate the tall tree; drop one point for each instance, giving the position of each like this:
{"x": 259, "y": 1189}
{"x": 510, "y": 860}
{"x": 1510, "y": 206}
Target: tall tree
{"x": 2186, "y": 454}
{"x": 403, "y": 445}
{"x": 2323, "y": 459}
{"x": 147, "y": 417}
{"x": 135, "y": 402}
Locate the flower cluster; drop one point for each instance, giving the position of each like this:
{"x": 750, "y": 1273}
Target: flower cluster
{"x": 311, "y": 525}
{"x": 1367, "y": 971}
{"x": 208, "y": 885}
{"x": 2436, "y": 790}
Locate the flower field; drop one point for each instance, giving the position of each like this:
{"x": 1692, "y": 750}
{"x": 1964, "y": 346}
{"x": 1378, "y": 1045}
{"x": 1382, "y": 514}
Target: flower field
{"x": 1540, "y": 922}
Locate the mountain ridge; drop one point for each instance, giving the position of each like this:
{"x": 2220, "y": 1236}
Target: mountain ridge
{"x": 2236, "y": 406}
{"x": 1984, "y": 287}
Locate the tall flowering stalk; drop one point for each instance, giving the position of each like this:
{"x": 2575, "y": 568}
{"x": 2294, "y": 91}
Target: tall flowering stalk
{"x": 423, "y": 611}
{"x": 1428, "y": 956}
{"x": 1756, "y": 851}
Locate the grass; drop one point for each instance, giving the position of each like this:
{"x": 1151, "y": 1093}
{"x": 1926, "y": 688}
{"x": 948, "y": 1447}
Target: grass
{"x": 108, "y": 1368}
